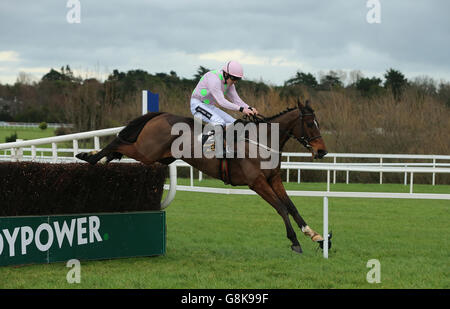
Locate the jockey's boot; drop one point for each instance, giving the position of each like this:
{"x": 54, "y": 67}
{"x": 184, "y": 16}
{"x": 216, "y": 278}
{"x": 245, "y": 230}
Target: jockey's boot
{"x": 206, "y": 136}
{"x": 208, "y": 143}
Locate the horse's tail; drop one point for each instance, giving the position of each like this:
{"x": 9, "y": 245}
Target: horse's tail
{"x": 130, "y": 133}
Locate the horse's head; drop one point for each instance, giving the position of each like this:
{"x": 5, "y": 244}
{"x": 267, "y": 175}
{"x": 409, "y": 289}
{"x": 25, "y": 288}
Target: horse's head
{"x": 307, "y": 131}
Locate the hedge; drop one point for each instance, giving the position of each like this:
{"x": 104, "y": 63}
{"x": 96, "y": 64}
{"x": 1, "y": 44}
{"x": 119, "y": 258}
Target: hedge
{"x": 49, "y": 189}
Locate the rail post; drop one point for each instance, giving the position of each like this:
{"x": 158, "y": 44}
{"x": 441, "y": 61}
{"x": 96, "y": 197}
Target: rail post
{"x": 325, "y": 227}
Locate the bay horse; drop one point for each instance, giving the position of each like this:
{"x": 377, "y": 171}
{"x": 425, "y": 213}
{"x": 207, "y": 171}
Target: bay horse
{"x": 148, "y": 139}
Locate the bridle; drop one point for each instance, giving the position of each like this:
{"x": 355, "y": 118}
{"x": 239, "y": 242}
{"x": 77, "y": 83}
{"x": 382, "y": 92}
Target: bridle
{"x": 304, "y": 140}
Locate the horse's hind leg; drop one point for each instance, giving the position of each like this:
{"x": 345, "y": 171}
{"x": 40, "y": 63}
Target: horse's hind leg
{"x": 112, "y": 156}
{"x": 110, "y": 152}
{"x": 261, "y": 187}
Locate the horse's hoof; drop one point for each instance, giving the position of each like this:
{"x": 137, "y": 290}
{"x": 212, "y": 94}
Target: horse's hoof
{"x": 297, "y": 249}
{"x": 82, "y": 156}
{"x": 86, "y": 156}
{"x": 329, "y": 241}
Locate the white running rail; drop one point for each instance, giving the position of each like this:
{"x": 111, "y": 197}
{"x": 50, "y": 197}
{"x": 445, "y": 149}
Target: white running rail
{"x": 381, "y": 158}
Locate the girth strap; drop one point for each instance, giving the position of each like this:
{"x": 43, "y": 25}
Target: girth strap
{"x": 224, "y": 171}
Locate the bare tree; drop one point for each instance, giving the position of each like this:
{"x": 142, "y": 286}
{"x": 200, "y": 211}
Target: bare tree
{"x": 25, "y": 78}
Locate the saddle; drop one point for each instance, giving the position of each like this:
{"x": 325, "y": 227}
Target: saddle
{"x": 209, "y": 145}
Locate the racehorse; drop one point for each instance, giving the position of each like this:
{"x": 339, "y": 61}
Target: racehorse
{"x": 148, "y": 139}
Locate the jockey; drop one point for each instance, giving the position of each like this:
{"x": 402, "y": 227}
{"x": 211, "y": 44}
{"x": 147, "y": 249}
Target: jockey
{"x": 211, "y": 91}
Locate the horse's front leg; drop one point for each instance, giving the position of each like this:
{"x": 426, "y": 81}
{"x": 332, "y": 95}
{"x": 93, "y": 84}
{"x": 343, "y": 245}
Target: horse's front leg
{"x": 277, "y": 186}
{"x": 262, "y": 187}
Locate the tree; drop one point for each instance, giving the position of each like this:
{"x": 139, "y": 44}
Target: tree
{"x": 444, "y": 93}
{"x": 396, "y": 82}
{"x": 116, "y": 76}
{"x": 11, "y": 138}
{"x": 355, "y": 76}
{"x": 330, "y": 81}
{"x": 369, "y": 87}
{"x": 5, "y": 113}
{"x": 53, "y": 75}
{"x": 24, "y": 78}
{"x": 66, "y": 74}
{"x": 425, "y": 86}
{"x": 301, "y": 78}
{"x": 43, "y": 126}
{"x": 200, "y": 72}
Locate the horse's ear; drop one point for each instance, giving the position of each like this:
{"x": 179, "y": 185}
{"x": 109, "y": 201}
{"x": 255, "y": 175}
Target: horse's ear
{"x": 308, "y": 106}
{"x": 299, "y": 104}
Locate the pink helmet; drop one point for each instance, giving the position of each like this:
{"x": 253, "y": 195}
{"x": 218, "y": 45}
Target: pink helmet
{"x": 234, "y": 68}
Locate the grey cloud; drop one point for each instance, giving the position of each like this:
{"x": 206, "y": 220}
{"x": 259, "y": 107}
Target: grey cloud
{"x": 413, "y": 36}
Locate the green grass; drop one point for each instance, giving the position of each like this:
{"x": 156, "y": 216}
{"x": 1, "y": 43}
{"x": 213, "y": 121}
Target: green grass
{"x": 229, "y": 241}
{"x": 25, "y": 133}
{"x": 34, "y": 133}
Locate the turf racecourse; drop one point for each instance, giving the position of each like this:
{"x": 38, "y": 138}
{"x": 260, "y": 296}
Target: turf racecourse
{"x": 229, "y": 242}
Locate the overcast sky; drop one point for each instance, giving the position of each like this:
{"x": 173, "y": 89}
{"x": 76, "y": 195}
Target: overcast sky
{"x": 272, "y": 39}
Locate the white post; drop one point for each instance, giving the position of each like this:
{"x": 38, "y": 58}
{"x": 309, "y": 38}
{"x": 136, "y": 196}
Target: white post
{"x": 328, "y": 180}
{"x": 334, "y": 172}
{"x": 287, "y": 171}
{"x": 96, "y": 143}
{"x": 411, "y": 187}
{"x": 200, "y": 176}
{"x": 144, "y": 102}
{"x": 13, "y": 154}
{"x": 298, "y": 176}
{"x": 33, "y": 152}
{"x": 19, "y": 153}
{"x": 54, "y": 153}
{"x": 325, "y": 227}
{"x": 433, "y": 181}
{"x": 192, "y": 176}
{"x": 347, "y": 177}
{"x": 75, "y": 147}
{"x": 405, "y": 180}
{"x": 381, "y": 173}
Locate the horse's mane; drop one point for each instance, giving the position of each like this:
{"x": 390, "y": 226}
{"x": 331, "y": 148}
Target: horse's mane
{"x": 280, "y": 113}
